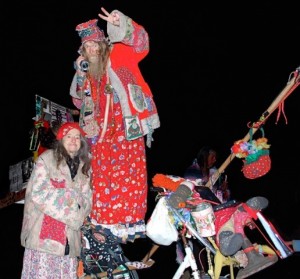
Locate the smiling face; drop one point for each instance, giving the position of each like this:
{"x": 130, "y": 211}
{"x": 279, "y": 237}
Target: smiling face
{"x": 92, "y": 53}
{"x": 92, "y": 50}
{"x": 71, "y": 142}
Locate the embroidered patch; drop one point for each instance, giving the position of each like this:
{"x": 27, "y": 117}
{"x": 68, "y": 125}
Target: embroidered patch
{"x": 87, "y": 121}
{"x": 58, "y": 184}
{"x": 137, "y": 97}
{"x": 133, "y": 129}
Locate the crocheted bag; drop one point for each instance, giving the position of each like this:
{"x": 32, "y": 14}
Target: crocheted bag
{"x": 257, "y": 163}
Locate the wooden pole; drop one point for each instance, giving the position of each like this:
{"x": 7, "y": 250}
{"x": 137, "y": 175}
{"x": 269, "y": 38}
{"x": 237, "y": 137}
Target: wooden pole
{"x": 291, "y": 86}
{"x": 150, "y": 253}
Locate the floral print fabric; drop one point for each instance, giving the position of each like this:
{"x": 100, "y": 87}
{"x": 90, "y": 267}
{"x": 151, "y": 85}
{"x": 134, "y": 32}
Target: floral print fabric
{"x": 39, "y": 265}
{"x": 119, "y": 175}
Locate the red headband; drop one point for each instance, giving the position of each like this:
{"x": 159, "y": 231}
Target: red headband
{"x": 66, "y": 127}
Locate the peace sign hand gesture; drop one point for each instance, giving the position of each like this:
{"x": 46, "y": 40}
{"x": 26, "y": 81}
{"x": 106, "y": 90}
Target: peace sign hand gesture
{"x": 112, "y": 18}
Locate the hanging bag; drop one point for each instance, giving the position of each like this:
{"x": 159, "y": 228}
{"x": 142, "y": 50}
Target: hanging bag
{"x": 159, "y": 227}
{"x": 258, "y": 162}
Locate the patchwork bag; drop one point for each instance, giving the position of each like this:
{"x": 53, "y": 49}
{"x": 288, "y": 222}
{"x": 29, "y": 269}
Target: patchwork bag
{"x": 257, "y": 163}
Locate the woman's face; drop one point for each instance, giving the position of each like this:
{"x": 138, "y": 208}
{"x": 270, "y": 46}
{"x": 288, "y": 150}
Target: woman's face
{"x": 71, "y": 142}
{"x": 211, "y": 159}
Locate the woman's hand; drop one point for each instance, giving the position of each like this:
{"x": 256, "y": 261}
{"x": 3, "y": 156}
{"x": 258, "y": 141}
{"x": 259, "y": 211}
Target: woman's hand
{"x": 112, "y": 18}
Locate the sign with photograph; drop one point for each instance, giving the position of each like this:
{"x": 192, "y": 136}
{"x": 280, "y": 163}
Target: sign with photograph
{"x": 19, "y": 174}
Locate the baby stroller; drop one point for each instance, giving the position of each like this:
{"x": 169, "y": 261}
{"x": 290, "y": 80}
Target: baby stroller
{"x": 102, "y": 256}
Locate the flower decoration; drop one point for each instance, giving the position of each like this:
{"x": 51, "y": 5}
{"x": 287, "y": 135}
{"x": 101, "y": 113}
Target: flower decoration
{"x": 242, "y": 148}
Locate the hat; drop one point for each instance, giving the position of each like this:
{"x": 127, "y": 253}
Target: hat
{"x": 89, "y": 31}
{"x": 66, "y": 127}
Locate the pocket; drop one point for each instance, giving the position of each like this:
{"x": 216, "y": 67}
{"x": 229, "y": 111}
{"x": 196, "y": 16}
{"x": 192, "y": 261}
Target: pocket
{"x": 53, "y": 229}
{"x": 137, "y": 97}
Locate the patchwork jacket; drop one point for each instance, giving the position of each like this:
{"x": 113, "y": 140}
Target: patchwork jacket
{"x": 55, "y": 207}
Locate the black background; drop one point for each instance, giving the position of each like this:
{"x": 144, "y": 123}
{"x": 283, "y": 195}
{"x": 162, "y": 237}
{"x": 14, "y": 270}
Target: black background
{"x": 212, "y": 67}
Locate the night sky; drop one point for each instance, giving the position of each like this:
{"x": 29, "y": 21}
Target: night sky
{"x": 212, "y": 69}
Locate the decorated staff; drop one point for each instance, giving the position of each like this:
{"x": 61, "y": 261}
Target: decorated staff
{"x": 292, "y": 84}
